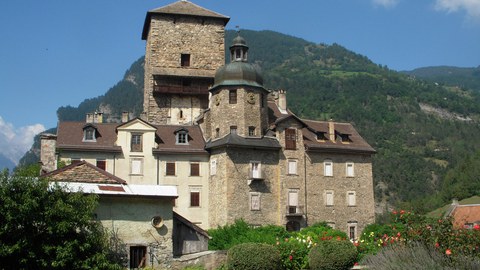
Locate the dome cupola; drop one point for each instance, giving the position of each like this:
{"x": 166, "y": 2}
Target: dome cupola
{"x": 238, "y": 71}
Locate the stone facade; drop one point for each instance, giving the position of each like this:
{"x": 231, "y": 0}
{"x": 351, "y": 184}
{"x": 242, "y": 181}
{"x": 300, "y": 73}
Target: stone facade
{"x": 48, "y": 158}
{"x": 201, "y": 40}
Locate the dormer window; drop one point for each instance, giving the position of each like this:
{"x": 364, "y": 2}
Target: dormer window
{"x": 136, "y": 144}
{"x": 181, "y": 136}
{"x": 345, "y": 138}
{"x": 89, "y": 134}
{"x": 321, "y": 136}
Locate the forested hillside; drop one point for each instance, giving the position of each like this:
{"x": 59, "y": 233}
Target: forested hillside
{"x": 424, "y": 132}
{"x": 451, "y": 76}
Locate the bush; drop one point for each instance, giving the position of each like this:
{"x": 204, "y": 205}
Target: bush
{"x": 253, "y": 256}
{"x": 332, "y": 254}
{"x": 416, "y": 256}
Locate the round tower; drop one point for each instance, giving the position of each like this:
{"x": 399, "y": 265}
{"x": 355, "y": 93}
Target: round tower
{"x": 238, "y": 101}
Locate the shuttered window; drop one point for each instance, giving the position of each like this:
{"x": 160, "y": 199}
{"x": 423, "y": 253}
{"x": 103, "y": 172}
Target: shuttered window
{"x": 194, "y": 169}
{"x": 349, "y": 168}
{"x": 351, "y": 198}
{"x": 213, "y": 167}
{"x": 102, "y": 164}
{"x": 292, "y": 167}
{"x": 328, "y": 167}
{"x": 136, "y": 166}
{"x": 290, "y": 139}
{"x": 194, "y": 198}
{"x": 170, "y": 170}
{"x": 329, "y": 198}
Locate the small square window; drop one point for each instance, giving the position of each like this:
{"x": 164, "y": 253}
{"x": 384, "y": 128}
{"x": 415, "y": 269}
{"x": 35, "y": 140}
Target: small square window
{"x": 102, "y": 164}
{"x": 351, "y": 198}
{"x": 136, "y": 165}
{"x": 233, "y": 129}
{"x": 185, "y": 60}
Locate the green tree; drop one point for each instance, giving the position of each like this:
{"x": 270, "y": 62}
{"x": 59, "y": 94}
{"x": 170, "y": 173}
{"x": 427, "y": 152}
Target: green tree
{"x": 44, "y": 227}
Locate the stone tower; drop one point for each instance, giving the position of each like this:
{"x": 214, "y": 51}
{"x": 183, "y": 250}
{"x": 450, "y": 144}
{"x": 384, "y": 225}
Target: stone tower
{"x": 184, "y": 48}
{"x": 243, "y": 160}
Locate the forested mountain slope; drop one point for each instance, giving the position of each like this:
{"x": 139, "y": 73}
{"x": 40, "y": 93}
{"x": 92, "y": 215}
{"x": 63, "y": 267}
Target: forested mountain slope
{"x": 422, "y": 131}
{"x": 468, "y": 78}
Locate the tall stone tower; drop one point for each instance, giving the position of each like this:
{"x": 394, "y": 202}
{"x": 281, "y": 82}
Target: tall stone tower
{"x": 184, "y": 48}
{"x": 243, "y": 156}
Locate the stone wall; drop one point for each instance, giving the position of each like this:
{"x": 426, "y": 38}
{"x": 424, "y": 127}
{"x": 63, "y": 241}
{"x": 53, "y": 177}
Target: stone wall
{"x": 48, "y": 157}
{"x": 168, "y": 38}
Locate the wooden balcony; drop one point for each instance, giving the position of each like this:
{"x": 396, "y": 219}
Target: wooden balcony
{"x": 180, "y": 89}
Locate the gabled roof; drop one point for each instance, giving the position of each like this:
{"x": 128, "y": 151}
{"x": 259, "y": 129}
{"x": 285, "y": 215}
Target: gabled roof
{"x": 70, "y": 137}
{"x": 311, "y": 128}
{"x": 83, "y": 172}
{"x": 185, "y": 8}
{"x": 233, "y": 140}
{"x": 189, "y": 224}
{"x": 135, "y": 120}
{"x": 167, "y": 144}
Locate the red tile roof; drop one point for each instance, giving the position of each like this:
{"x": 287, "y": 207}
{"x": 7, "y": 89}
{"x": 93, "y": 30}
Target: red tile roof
{"x": 70, "y": 137}
{"x": 463, "y": 214}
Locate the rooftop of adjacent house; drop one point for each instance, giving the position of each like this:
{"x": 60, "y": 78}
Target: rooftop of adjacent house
{"x": 182, "y": 7}
{"x": 463, "y": 214}
{"x": 84, "y": 172}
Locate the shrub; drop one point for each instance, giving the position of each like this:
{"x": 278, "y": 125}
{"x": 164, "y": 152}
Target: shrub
{"x": 332, "y": 254}
{"x": 253, "y": 256}
{"x": 416, "y": 256}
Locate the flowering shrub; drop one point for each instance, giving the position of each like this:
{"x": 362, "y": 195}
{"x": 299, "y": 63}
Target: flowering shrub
{"x": 408, "y": 228}
{"x": 332, "y": 254}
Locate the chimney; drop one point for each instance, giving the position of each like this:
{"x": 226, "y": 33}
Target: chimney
{"x": 125, "y": 117}
{"x": 455, "y": 201}
{"x": 282, "y": 100}
{"x": 331, "y": 130}
{"x": 98, "y": 117}
{"x": 48, "y": 143}
{"x": 89, "y": 118}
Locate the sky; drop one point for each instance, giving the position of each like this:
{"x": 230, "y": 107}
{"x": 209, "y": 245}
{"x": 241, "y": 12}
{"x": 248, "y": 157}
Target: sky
{"x": 56, "y": 53}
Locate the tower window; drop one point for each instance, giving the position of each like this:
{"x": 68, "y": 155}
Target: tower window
{"x": 290, "y": 139}
{"x": 232, "y": 96}
{"x": 233, "y": 129}
{"x": 238, "y": 54}
{"x": 251, "y": 131}
{"x": 185, "y": 60}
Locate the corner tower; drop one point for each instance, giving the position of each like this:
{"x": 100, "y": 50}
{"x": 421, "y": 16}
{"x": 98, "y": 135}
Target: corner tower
{"x": 184, "y": 48}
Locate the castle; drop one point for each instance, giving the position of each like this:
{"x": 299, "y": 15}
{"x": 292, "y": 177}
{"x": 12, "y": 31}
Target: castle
{"x": 231, "y": 147}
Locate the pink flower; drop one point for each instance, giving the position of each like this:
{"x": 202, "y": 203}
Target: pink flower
{"x": 476, "y": 227}
{"x": 437, "y": 245}
{"x": 355, "y": 264}
{"x": 402, "y": 212}
{"x": 448, "y": 252}
{"x": 290, "y": 257}
{"x": 394, "y": 212}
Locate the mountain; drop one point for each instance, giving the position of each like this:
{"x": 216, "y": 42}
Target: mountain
{"x": 6, "y": 163}
{"x": 468, "y": 78}
{"x": 422, "y": 131}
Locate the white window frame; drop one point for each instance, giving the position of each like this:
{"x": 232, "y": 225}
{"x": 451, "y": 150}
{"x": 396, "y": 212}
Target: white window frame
{"x": 329, "y": 198}
{"x": 255, "y": 201}
{"x": 354, "y": 225}
{"x": 349, "y": 169}
{"x": 181, "y": 138}
{"x": 256, "y": 170}
{"x": 351, "y": 198}
{"x": 213, "y": 167}
{"x": 87, "y": 131}
{"x": 292, "y": 168}
{"x": 132, "y": 166}
{"x": 328, "y": 167}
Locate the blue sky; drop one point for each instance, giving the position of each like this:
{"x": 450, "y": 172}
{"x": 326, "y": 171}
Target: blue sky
{"x": 55, "y": 52}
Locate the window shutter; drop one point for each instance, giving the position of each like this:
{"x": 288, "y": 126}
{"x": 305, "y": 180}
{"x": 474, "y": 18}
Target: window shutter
{"x": 194, "y": 169}
{"x": 213, "y": 167}
{"x": 329, "y": 195}
{"x": 102, "y": 164}
{"x": 290, "y": 139}
{"x": 351, "y": 199}
{"x": 170, "y": 168}
{"x": 195, "y": 198}
{"x": 292, "y": 167}
{"x": 328, "y": 168}
{"x": 350, "y": 171}
{"x": 136, "y": 166}
{"x": 292, "y": 198}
